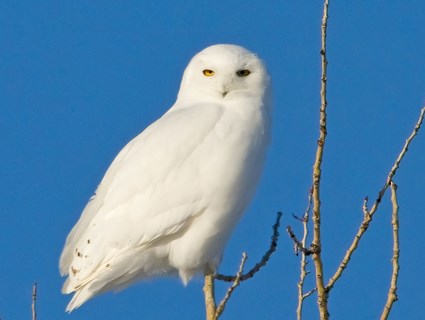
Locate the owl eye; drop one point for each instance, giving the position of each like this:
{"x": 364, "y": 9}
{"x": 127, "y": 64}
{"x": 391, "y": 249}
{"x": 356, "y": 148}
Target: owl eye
{"x": 208, "y": 72}
{"x": 243, "y": 73}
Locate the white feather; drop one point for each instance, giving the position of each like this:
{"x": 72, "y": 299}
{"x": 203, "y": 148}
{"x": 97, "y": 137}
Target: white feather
{"x": 171, "y": 198}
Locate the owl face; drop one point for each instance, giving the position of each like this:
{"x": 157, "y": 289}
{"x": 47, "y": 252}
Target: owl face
{"x": 224, "y": 72}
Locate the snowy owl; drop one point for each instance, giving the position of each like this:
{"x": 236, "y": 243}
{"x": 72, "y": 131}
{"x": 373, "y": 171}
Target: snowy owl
{"x": 171, "y": 198}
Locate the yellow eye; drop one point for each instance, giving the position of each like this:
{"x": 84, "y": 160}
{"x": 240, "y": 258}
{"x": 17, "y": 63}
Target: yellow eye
{"x": 243, "y": 73}
{"x": 208, "y": 72}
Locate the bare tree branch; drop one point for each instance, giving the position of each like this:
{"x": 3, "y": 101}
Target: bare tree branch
{"x": 264, "y": 260}
{"x": 392, "y": 293}
{"x": 322, "y": 293}
{"x": 213, "y": 312}
{"x": 34, "y": 301}
{"x": 229, "y": 292}
{"x": 309, "y": 293}
{"x": 299, "y": 246}
{"x": 365, "y": 207}
{"x": 303, "y": 265}
{"x": 209, "y": 295}
{"x": 368, "y": 214}
{"x": 397, "y": 162}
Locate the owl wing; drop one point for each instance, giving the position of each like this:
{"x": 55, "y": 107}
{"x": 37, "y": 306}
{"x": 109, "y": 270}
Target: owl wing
{"x": 150, "y": 191}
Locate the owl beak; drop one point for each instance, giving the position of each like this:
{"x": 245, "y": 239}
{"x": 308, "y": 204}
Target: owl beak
{"x": 226, "y": 87}
{"x": 225, "y": 90}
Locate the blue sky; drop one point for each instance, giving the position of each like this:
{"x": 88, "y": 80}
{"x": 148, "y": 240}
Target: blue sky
{"x": 79, "y": 79}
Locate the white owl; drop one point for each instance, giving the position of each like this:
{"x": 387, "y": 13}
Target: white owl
{"x": 171, "y": 198}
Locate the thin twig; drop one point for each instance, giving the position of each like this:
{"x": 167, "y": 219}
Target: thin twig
{"x": 303, "y": 263}
{"x": 322, "y": 293}
{"x": 365, "y": 207}
{"x": 309, "y": 293}
{"x": 209, "y": 295}
{"x": 34, "y": 301}
{"x": 213, "y": 312}
{"x": 299, "y": 246}
{"x": 369, "y": 214}
{"x": 264, "y": 260}
{"x": 392, "y": 292}
{"x": 229, "y": 292}
{"x": 397, "y": 162}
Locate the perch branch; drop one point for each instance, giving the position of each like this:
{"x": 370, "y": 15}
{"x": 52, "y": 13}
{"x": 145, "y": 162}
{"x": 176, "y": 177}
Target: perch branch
{"x": 392, "y": 293}
{"x": 368, "y": 214}
{"x": 210, "y": 307}
{"x": 264, "y": 260}
{"x": 229, "y": 292}
{"x": 322, "y": 293}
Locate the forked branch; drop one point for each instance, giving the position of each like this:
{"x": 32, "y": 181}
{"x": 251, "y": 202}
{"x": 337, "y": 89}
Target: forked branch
{"x": 213, "y": 312}
{"x": 229, "y": 292}
{"x": 368, "y": 214}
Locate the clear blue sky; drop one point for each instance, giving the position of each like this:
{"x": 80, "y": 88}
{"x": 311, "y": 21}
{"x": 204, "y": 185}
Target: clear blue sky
{"x": 79, "y": 79}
